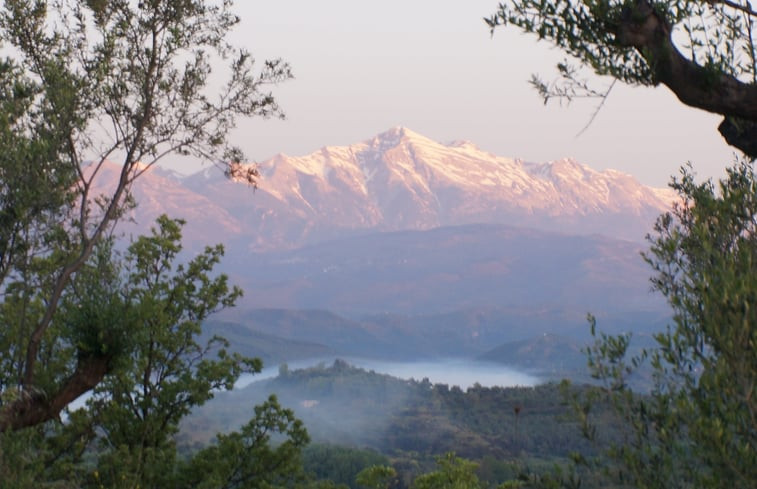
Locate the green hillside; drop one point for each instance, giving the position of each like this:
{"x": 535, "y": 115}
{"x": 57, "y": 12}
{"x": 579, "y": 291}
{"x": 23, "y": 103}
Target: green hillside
{"x": 409, "y": 421}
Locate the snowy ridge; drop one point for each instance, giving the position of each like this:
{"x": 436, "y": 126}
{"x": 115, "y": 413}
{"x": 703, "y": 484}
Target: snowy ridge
{"x": 402, "y": 180}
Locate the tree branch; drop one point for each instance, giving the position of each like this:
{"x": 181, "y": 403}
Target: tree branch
{"x": 34, "y": 408}
{"x": 642, "y": 27}
{"x": 740, "y": 133}
{"x": 747, "y": 9}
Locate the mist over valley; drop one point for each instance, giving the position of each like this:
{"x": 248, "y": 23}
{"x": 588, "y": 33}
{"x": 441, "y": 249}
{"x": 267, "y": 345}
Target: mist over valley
{"x": 463, "y": 373}
{"x": 419, "y": 260}
{"x": 344, "y": 404}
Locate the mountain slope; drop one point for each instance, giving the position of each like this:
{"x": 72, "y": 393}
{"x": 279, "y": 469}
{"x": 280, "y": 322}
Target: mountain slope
{"x": 291, "y": 335}
{"x": 447, "y": 269}
{"x": 401, "y": 180}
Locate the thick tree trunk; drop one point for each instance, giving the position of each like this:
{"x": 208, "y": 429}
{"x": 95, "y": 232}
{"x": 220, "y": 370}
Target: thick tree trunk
{"x": 32, "y": 408}
{"x": 645, "y": 29}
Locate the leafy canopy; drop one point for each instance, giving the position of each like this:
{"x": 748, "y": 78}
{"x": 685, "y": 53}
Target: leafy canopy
{"x": 698, "y": 426}
{"x": 93, "y": 94}
{"x": 144, "y": 313}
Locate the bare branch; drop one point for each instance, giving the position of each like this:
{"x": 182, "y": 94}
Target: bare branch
{"x": 746, "y": 8}
{"x": 599, "y": 107}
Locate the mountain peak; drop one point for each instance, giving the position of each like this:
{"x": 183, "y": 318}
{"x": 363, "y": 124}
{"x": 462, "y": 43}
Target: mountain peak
{"x": 402, "y": 180}
{"x": 463, "y": 143}
{"x": 399, "y": 134}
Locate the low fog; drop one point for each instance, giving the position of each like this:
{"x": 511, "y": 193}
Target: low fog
{"x": 459, "y": 372}
{"x": 352, "y": 401}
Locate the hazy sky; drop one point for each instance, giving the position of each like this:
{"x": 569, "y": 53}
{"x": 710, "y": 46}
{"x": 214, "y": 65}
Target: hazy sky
{"x": 362, "y": 67}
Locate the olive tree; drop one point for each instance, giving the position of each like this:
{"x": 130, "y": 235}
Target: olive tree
{"x": 697, "y": 426}
{"x": 143, "y": 310}
{"x": 85, "y": 85}
{"x": 702, "y": 50}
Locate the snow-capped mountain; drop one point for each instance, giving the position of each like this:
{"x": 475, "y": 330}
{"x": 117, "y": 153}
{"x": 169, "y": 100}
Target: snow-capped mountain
{"x": 403, "y": 180}
{"x": 470, "y": 229}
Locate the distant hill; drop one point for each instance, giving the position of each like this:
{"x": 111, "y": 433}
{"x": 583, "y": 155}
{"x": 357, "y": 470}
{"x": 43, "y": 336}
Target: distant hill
{"x": 549, "y": 355}
{"x": 450, "y": 268}
{"x": 270, "y": 348}
{"x": 278, "y": 335}
{"x": 554, "y": 357}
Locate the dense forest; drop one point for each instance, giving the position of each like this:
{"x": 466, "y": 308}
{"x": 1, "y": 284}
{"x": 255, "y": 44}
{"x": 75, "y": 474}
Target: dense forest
{"x": 357, "y": 418}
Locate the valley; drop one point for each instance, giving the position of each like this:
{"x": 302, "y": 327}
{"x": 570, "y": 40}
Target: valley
{"x": 405, "y": 296}
{"x": 359, "y": 417}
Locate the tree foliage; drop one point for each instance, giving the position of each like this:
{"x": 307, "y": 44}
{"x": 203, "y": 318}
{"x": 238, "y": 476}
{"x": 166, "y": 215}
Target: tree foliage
{"x": 265, "y": 452}
{"x": 703, "y": 51}
{"x": 698, "y": 427}
{"x": 143, "y": 313}
{"x": 376, "y": 477}
{"x": 453, "y": 473}
{"x": 340, "y": 464}
{"x": 159, "y": 371}
{"x": 93, "y": 94}
{"x": 88, "y": 86}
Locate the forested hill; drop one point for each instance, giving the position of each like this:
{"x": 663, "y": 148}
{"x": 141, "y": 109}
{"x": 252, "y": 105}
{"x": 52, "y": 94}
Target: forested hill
{"x": 350, "y": 406}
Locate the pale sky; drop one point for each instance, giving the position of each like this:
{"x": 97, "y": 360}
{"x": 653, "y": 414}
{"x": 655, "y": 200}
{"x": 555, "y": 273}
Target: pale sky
{"x": 431, "y": 65}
